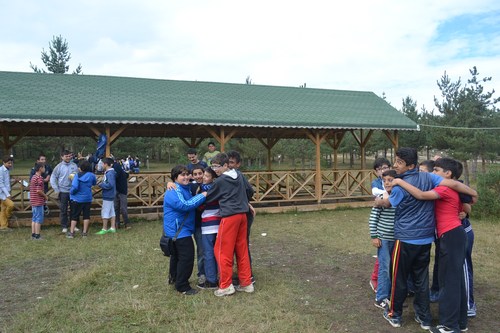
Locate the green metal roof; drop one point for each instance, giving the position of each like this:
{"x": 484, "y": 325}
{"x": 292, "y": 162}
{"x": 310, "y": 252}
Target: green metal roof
{"x": 32, "y": 97}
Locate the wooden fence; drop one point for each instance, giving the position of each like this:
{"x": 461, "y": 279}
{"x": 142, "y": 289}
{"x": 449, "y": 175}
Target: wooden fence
{"x": 272, "y": 189}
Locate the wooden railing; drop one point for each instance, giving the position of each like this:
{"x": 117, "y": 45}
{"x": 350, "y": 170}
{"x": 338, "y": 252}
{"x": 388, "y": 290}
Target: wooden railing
{"x": 146, "y": 190}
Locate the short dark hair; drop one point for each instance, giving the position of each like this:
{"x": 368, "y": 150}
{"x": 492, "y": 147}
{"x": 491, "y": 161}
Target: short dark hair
{"x": 380, "y": 161}
{"x": 210, "y": 171}
{"x": 196, "y": 167}
{"x": 220, "y": 158}
{"x": 177, "y": 170}
{"x": 85, "y": 166}
{"x": 38, "y": 166}
{"x": 108, "y": 161}
{"x": 7, "y": 158}
{"x": 234, "y": 154}
{"x": 66, "y": 152}
{"x": 41, "y": 155}
{"x": 211, "y": 143}
{"x": 191, "y": 151}
{"x": 448, "y": 164}
{"x": 409, "y": 155}
{"x": 391, "y": 173}
{"x": 429, "y": 164}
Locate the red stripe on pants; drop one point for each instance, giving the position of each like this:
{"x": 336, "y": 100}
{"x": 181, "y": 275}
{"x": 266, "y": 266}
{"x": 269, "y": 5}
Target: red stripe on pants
{"x": 232, "y": 238}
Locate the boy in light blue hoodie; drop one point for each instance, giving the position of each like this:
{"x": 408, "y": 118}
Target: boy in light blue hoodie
{"x": 81, "y": 197}
{"x": 108, "y": 186}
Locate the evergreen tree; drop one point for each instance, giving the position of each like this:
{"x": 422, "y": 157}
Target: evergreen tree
{"x": 56, "y": 60}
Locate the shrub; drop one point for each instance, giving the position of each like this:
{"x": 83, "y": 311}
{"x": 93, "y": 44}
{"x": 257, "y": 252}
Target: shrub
{"x": 488, "y": 186}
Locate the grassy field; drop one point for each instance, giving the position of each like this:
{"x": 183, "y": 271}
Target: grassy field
{"x": 312, "y": 272}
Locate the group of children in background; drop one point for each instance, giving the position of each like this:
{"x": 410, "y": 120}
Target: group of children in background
{"x": 80, "y": 195}
{"x": 452, "y": 282}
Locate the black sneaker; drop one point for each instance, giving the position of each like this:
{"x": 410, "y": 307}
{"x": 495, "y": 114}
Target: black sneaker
{"x": 441, "y": 329}
{"x": 394, "y": 321}
{"x": 84, "y": 234}
{"x": 208, "y": 285}
{"x": 423, "y": 325}
{"x": 190, "y": 292}
{"x": 70, "y": 235}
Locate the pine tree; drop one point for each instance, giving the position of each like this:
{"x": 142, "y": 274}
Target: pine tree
{"x": 56, "y": 60}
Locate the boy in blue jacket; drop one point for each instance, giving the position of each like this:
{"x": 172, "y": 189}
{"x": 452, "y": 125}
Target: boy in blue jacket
{"x": 81, "y": 197}
{"x": 108, "y": 186}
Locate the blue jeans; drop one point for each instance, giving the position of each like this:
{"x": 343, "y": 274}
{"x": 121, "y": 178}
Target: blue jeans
{"x": 208, "y": 241}
{"x": 384, "y": 269}
{"x": 199, "y": 251}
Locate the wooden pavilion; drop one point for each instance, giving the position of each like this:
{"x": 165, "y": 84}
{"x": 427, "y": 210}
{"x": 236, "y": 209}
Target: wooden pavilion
{"x": 86, "y": 105}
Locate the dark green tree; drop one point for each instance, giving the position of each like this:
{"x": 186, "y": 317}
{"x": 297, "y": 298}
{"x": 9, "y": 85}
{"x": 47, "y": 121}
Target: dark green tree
{"x": 463, "y": 108}
{"x": 57, "y": 58}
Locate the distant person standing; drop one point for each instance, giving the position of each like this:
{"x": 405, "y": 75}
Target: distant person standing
{"x": 45, "y": 176}
{"x": 37, "y": 200}
{"x": 121, "y": 196}
{"x": 108, "y": 186}
{"x": 211, "y": 153}
{"x": 81, "y": 197}
{"x": 7, "y": 205}
{"x": 61, "y": 184}
{"x": 192, "y": 156}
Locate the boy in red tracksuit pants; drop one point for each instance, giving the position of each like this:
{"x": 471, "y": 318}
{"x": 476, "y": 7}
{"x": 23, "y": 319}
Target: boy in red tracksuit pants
{"x": 233, "y": 192}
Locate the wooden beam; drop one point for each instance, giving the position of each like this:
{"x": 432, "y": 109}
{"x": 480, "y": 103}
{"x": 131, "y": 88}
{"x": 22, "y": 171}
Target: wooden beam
{"x": 116, "y": 134}
{"x": 108, "y": 143}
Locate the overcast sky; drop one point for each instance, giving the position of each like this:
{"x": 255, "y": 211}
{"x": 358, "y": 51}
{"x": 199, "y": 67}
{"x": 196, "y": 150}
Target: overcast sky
{"x": 397, "y": 47}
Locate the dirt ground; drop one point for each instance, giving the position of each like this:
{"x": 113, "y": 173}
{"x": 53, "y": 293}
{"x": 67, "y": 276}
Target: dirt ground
{"x": 338, "y": 287}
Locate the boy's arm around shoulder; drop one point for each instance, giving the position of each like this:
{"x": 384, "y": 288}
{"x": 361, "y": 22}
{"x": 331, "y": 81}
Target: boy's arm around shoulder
{"x": 414, "y": 191}
{"x": 460, "y": 187}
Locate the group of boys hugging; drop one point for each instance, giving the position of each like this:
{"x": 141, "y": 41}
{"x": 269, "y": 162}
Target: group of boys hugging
{"x": 413, "y": 208}
{"x": 210, "y": 202}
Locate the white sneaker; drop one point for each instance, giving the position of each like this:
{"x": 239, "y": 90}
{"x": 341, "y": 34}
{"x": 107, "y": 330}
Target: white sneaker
{"x": 225, "y": 292}
{"x": 247, "y": 289}
{"x": 64, "y": 230}
{"x": 76, "y": 229}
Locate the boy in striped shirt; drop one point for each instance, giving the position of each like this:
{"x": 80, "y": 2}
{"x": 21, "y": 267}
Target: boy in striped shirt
{"x": 381, "y": 225}
{"x": 37, "y": 200}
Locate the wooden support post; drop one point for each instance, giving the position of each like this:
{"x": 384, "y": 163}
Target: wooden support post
{"x": 362, "y": 140}
{"x": 6, "y": 143}
{"x": 269, "y": 144}
{"x": 317, "y": 138}
{"x": 221, "y": 137}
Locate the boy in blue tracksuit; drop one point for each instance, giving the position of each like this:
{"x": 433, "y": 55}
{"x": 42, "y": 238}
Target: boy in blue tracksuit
{"x": 179, "y": 207}
{"x": 108, "y": 186}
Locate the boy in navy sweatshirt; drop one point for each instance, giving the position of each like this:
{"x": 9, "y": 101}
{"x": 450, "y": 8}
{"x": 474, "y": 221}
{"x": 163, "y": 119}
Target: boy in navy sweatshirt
{"x": 108, "y": 186}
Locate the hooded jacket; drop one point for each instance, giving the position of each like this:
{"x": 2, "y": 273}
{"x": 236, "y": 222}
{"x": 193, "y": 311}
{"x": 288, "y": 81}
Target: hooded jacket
{"x": 81, "y": 187}
{"x": 233, "y": 192}
{"x": 177, "y": 205}
{"x": 108, "y": 185}
{"x": 59, "y": 180}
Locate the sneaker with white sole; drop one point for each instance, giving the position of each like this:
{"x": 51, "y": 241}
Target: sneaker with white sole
{"x": 382, "y": 304}
{"x": 394, "y": 321}
{"x": 76, "y": 229}
{"x": 247, "y": 289}
{"x": 441, "y": 329}
{"x": 64, "y": 230}
{"x": 225, "y": 292}
{"x": 423, "y": 325}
